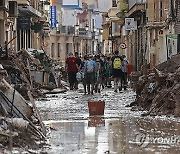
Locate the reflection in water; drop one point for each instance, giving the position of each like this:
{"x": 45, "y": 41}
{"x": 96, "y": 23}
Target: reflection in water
{"x": 118, "y": 136}
{"x": 119, "y": 131}
{"x": 96, "y": 121}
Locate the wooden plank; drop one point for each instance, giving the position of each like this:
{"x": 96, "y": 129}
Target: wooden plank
{"x": 37, "y": 112}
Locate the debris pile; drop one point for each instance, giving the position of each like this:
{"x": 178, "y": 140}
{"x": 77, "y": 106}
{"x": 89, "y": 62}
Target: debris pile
{"x": 32, "y": 71}
{"x": 20, "y": 121}
{"x": 159, "y": 92}
{"x": 25, "y": 75}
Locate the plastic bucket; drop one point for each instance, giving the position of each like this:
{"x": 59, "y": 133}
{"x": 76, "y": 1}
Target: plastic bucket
{"x": 96, "y": 107}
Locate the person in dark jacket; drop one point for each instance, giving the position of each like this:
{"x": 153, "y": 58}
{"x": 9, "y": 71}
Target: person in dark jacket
{"x": 79, "y": 67}
{"x": 71, "y": 66}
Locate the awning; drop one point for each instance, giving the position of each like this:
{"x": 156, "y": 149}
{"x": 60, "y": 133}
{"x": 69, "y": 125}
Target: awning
{"x": 26, "y": 9}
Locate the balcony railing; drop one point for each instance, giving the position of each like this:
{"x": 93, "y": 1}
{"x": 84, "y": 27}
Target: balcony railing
{"x": 82, "y": 31}
{"x": 133, "y": 2}
{"x": 139, "y": 5}
{"x": 67, "y": 30}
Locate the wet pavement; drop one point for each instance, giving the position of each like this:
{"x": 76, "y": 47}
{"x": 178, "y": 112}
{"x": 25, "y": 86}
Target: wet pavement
{"x": 119, "y": 131}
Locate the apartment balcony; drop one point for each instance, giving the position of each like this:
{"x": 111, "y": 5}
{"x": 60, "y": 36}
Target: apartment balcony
{"x": 82, "y": 31}
{"x": 139, "y": 5}
{"x": 132, "y": 3}
{"x": 65, "y": 30}
{"x": 25, "y": 8}
{"x": 112, "y": 13}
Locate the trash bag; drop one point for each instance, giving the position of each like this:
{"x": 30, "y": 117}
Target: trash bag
{"x": 79, "y": 76}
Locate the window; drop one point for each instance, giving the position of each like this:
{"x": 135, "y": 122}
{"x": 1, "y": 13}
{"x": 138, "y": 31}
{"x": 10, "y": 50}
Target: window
{"x": 59, "y": 50}
{"x": 114, "y": 4}
{"x": 117, "y": 27}
{"x": 161, "y": 10}
{"x": 52, "y": 50}
{"x": 67, "y": 48}
{"x": 7, "y": 34}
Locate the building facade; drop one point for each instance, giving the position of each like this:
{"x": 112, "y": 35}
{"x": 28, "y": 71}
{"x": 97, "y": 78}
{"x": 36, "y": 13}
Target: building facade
{"x": 146, "y": 31}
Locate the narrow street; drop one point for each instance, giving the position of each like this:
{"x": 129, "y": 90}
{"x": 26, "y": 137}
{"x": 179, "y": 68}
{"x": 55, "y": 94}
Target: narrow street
{"x": 48, "y": 46}
{"x": 119, "y": 131}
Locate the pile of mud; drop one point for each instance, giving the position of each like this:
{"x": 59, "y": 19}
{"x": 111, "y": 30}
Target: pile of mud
{"x": 158, "y": 93}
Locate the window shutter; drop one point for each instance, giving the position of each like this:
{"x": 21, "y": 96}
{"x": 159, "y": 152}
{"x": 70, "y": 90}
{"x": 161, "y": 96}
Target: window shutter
{"x": 177, "y": 25}
{"x": 2, "y": 3}
{"x": 13, "y": 9}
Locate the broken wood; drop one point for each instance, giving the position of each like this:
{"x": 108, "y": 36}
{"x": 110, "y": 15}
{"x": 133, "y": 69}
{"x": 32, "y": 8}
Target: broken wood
{"x": 37, "y": 112}
{"x": 158, "y": 99}
{"x": 19, "y": 101}
{"x": 156, "y": 94}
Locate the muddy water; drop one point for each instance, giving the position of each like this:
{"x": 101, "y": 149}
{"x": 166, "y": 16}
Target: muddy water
{"x": 119, "y": 131}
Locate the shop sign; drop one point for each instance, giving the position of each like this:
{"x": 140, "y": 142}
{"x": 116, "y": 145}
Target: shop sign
{"x": 53, "y": 16}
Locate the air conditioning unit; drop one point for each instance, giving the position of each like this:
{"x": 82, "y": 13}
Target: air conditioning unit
{"x": 13, "y": 9}
{"x": 3, "y": 4}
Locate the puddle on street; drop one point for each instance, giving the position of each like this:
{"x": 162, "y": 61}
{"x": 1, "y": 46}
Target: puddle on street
{"x": 119, "y": 131}
{"x": 116, "y": 136}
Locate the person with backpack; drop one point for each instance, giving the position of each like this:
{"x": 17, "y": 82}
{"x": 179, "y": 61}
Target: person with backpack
{"x": 89, "y": 68}
{"x": 117, "y": 71}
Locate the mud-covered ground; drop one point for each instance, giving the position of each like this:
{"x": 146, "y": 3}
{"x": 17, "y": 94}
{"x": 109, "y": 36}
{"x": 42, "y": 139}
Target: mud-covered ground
{"x": 119, "y": 131}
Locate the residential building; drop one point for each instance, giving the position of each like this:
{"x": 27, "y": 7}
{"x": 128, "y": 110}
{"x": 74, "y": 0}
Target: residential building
{"x": 147, "y": 34}
{"x": 162, "y": 40}
{"x": 78, "y": 29}
{"x": 17, "y": 18}
{"x": 135, "y": 37}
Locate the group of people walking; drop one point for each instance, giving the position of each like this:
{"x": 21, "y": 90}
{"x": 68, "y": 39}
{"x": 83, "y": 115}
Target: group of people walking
{"x": 96, "y": 72}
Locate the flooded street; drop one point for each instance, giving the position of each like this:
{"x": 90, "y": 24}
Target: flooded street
{"x": 119, "y": 131}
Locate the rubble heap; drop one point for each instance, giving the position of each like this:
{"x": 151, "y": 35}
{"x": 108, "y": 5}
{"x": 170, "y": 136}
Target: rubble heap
{"x": 159, "y": 92}
{"x": 20, "y": 120}
{"x": 18, "y": 68}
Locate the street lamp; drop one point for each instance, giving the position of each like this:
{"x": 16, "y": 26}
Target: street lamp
{"x": 46, "y": 5}
{"x": 76, "y": 27}
{"x": 87, "y": 27}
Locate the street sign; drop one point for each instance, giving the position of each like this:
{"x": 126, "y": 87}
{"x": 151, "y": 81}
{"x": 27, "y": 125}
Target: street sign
{"x": 123, "y": 45}
{"x": 53, "y": 16}
{"x": 130, "y": 24}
